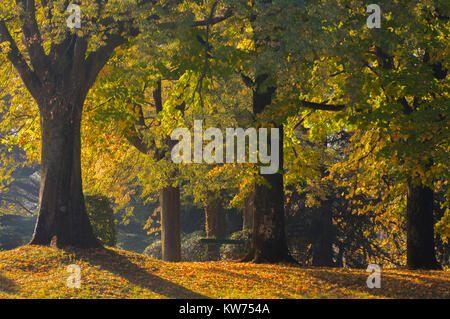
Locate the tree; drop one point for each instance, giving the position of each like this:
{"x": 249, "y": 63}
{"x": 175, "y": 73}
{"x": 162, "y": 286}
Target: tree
{"x": 59, "y": 68}
{"x": 395, "y": 96}
{"x": 273, "y": 26}
{"x": 169, "y": 195}
{"x": 59, "y": 82}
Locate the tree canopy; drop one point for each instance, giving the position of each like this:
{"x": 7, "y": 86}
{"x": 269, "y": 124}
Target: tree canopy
{"x": 363, "y": 114}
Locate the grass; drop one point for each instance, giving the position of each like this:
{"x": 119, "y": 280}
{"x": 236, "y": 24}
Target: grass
{"x": 41, "y": 272}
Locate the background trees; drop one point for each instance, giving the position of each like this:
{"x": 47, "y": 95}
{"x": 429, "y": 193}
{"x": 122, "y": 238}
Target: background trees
{"x": 397, "y": 92}
{"x": 363, "y": 115}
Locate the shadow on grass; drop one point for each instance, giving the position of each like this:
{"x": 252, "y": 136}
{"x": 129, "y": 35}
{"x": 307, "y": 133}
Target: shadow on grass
{"x": 257, "y": 280}
{"x": 7, "y": 285}
{"x": 393, "y": 285}
{"x": 123, "y": 267}
{"x": 408, "y": 286}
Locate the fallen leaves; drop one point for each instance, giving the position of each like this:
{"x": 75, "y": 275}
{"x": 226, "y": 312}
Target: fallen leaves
{"x": 40, "y": 272}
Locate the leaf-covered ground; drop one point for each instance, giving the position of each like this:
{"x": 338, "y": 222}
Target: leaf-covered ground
{"x": 41, "y": 272}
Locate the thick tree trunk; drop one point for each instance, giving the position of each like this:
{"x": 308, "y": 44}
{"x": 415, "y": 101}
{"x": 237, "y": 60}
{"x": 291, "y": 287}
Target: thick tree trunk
{"x": 268, "y": 232}
{"x": 267, "y": 208}
{"x": 215, "y": 223}
{"x": 170, "y": 223}
{"x": 59, "y": 81}
{"x": 215, "y": 216}
{"x": 420, "y": 228}
{"x": 62, "y": 220}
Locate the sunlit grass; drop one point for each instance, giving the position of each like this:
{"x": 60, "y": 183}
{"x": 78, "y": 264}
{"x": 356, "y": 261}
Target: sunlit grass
{"x": 40, "y": 272}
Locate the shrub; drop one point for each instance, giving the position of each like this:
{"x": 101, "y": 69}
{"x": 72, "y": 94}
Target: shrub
{"x": 191, "y": 248}
{"x": 101, "y": 216}
{"x": 154, "y": 250}
{"x": 233, "y": 252}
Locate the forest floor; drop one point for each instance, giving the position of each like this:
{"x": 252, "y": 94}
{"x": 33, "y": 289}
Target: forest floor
{"x": 41, "y": 272}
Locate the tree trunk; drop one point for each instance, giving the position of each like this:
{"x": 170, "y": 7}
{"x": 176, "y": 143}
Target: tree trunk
{"x": 322, "y": 248}
{"x": 215, "y": 223}
{"x": 215, "y": 216}
{"x": 323, "y": 245}
{"x": 268, "y": 232}
{"x": 59, "y": 81}
{"x": 420, "y": 228}
{"x": 62, "y": 220}
{"x": 247, "y": 216}
{"x": 267, "y": 208}
{"x": 268, "y": 242}
{"x": 169, "y": 196}
{"x": 170, "y": 223}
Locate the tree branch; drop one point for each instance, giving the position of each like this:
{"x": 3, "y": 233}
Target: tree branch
{"x": 199, "y": 23}
{"x": 14, "y": 55}
{"x": 32, "y": 37}
{"x": 214, "y": 20}
{"x": 157, "y": 96}
{"x": 79, "y": 52}
{"x": 322, "y": 106}
{"x": 97, "y": 59}
{"x": 387, "y": 60}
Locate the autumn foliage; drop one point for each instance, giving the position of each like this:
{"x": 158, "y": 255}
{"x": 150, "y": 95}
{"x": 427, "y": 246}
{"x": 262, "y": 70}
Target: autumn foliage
{"x": 40, "y": 272}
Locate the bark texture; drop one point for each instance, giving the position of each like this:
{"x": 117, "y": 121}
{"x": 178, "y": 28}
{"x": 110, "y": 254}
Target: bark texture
{"x": 420, "y": 228}
{"x": 247, "y": 213}
{"x": 215, "y": 216}
{"x": 62, "y": 219}
{"x": 215, "y": 223}
{"x": 170, "y": 223}
{"x": 268, "y": 233}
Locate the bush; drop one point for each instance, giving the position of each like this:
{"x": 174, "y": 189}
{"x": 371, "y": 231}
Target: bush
{"x": 101, "y": 216}
{"x": 233, "y": 252}
{"x": 191, "y": 248}
{"x": 154, "y": 250}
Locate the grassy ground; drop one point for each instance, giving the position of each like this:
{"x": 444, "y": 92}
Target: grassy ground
{"x": 41, "y": 272}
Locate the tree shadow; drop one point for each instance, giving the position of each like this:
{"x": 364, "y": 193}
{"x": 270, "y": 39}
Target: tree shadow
{"x": 393, "y": 285}
{"x": 256, "y": 279}
{"x": 123, "y": 267}
{"x": 7, "y": 285}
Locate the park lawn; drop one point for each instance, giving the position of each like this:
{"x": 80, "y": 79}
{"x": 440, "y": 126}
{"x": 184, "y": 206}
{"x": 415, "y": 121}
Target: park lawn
{"x": 41, "y": 272}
